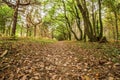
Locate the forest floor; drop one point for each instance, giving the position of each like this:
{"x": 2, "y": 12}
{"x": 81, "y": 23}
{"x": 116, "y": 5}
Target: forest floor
{"x": 63, "y": 60}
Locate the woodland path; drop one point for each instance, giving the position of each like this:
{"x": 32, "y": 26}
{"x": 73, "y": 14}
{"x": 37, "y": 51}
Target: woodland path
{"x": 54, "y": 61}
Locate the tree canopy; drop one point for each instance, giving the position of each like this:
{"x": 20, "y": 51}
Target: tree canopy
{"x": 67, "y": 20}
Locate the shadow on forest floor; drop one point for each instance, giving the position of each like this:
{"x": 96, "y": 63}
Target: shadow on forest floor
{"x": 63, "y": 60}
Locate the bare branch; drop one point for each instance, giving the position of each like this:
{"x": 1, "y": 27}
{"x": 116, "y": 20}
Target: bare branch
{"x": 25, "y": 4}
{"x": 30, "y": 19}
{"x": 9, "y": 4}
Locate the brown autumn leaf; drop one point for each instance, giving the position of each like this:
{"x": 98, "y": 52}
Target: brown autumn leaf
{"x": 58, "y": 61}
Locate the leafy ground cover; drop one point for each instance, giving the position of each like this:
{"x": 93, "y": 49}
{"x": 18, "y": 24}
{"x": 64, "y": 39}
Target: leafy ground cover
{"x": 30, "y": 59}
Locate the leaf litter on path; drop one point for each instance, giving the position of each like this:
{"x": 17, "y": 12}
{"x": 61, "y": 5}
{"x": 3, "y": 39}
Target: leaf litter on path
{"x": 56, "y": 61}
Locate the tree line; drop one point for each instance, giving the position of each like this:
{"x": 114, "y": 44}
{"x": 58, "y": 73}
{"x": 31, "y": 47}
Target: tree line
{"x": 93, "y": 20}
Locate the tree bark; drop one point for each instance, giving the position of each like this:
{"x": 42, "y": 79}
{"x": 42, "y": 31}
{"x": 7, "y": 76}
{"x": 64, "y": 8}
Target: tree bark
{"x": 93, "y": 19}
{"x": 78, "y": 23}
{"x": 100, "y": 20}
{"x": 15, "y": 18}
{"x": 35, "y": 28}
{"x": 87, "y": 23}
{"x": 116, "y": 25}
{"x": 69, "y": 33}
{"x": 68, "y": 22}
{"x": 27, "y": 30}
{"x": 21, "y": 31}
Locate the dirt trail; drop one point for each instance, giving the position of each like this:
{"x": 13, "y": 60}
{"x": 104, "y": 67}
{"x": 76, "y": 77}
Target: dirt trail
{"x": 55, "y": 61}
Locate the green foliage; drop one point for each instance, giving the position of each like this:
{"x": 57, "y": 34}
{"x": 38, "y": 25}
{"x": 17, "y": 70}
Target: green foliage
{"x": 109, "y": 51}
{"x": 53, "y": 16}
{"x": 113, "y": 5}
{"x": 60, "y": 32}
{"x": 18, "y": 30}
{"x": 40, "y": 40}
{"x": 6, "y": 14}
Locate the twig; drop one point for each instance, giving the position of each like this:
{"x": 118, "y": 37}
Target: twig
{"x": 4, "y": 53}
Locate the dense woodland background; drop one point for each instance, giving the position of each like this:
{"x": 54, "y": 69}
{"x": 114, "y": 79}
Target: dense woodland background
{"x": 91, "y": 20}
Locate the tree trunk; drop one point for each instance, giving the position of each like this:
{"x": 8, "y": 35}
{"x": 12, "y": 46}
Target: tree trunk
{"x": 84, "y": 37}
{"x": 68, "y": 22}
{"x": 9, "y": 29}
{"x": 27, "y": 30}
{"x": 52, "y": 33}
{"x": 113, "y": 31}
{"x": 21, "y": 31}
{"x": 4, "y": 28}
{"x": 87, "y": 23}
{"x": 30, "y": 31}
{"x": 93, "y": 19}
{"x": 100, "y": 20}
{"x": 78, "y": 22}
{"x": 35, "y": 30}
{"x": 69, "y": 33}
{"x": 116, "y": 25}
{"x": 15, "y": 18}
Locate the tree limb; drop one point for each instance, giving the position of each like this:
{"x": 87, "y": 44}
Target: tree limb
{"x": 25, "y": 4}
{"x": 9, "y": 4}
{"x": 4, "y": 53}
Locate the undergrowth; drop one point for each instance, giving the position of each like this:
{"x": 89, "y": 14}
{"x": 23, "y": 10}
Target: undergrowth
{"x": 108, "y": 50}
{"x": 12, "y": 45}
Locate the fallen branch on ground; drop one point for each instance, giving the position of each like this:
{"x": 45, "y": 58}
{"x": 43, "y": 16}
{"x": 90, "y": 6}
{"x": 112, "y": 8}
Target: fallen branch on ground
{"x": 4, "y": 53}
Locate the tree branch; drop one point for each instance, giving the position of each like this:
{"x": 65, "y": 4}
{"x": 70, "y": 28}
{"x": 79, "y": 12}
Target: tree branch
{"x": 9, "y": 4}
{"x": 25, "y": 4}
